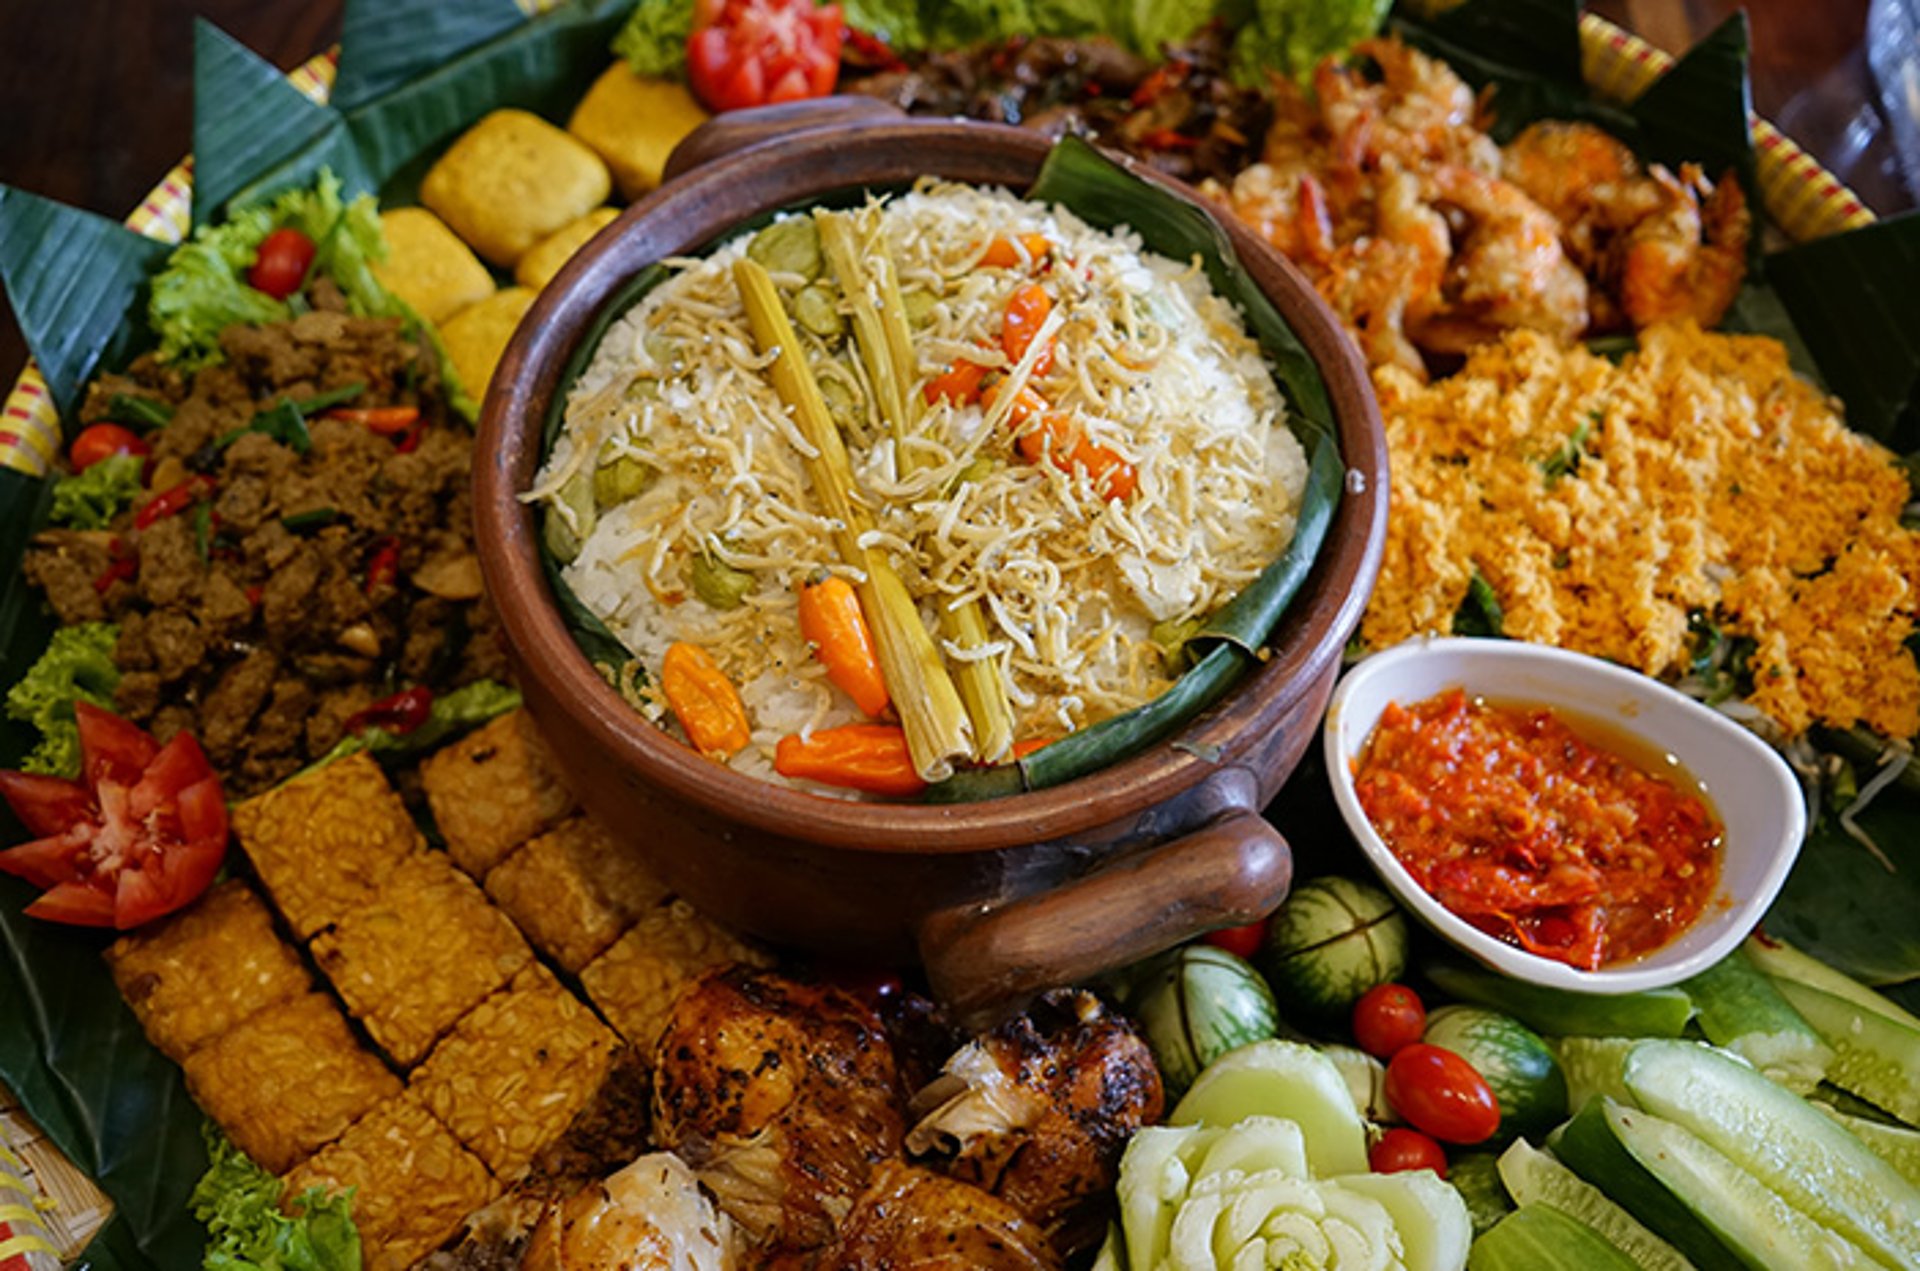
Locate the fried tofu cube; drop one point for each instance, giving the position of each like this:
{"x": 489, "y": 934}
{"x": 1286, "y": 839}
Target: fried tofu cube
{"x": 428, "y": 266}
{"x": 425, "y": 953}
{"x": 573, "y": 890}
{"x": 476, "y": 336}
{"x": 493, "y": 790}
{"x": 544, "y": 259}
{"x": 634, "y": 982}
{"x": 511, "y": 180}
{"x": 325, "y": 841}
{"x": 516, "y": 1069}
{"x": 200, "y": 972}
{"x": 413, "y": 1182}
{"x": 287, "y": 1081}
{"x": 634, "y": 122}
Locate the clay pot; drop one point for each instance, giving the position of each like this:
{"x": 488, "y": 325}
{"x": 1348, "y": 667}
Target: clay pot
{"x": 998, "y": 899}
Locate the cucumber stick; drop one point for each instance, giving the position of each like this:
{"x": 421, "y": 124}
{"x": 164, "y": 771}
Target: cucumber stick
{"x": 1558, "y": 1013}
{"x": 1897, "y": 1145}
{"x": 1783, "y": 1141}
{"x": 1876, "y": 1056}
{"x": 1741, "y": 1010}
{"x": 1541, "y": 1238}
{"x": 1718, "y": 1215}
{"x": 1784, "y": 962}
{"x": 1534, "y": 1177}
{"x": 1593, "y": 1066}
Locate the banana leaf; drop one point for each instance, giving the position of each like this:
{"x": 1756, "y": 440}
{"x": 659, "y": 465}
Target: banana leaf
{"x": 1527, "y": 50}
{"x": 385, "y": 44}
{"x": 1698, "y": 112}
{"x": 1843, "y": 906}
{"x": 247, "y": 119}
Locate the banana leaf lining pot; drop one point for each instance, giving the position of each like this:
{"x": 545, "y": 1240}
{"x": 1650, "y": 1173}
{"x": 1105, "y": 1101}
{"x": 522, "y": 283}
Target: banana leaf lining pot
{"x": 998, "y": 898}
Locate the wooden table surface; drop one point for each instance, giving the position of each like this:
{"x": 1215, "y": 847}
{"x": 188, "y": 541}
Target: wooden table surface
{"x": 97, "y": 94}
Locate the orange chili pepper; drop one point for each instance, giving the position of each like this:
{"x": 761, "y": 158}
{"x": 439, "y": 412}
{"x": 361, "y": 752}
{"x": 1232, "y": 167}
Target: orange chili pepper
{"x": 1027, "y": 310}
{"x": 961, "y": 384}
{"x": 385, "y": 420}
{"x": 1021, "y": 749}
{"x": 1056, "y": 441}
{"x": 870, "y": 757}
{"x": 1028, "y": 404}
{"x": 1002, "y": 254}
{"x": 832, "y": 623}
{"x": 704, "y": 701}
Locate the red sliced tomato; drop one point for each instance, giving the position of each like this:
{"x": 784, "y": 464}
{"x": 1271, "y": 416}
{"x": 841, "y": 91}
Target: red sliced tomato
{"x": 282, "y": 264}
{"x": 101, "y": 441}
{"x": 140, "y": 834}
{"x": 746, "y": 53}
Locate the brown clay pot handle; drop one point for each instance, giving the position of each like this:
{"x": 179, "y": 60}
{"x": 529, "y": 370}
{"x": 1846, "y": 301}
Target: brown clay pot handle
{"x": 982, "y": 959}
{"x": 743, "y": 129}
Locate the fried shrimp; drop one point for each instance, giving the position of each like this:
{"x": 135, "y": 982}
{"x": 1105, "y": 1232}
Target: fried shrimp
{"x": 1689, "y": 259}
{"x": 1509, "y": 269}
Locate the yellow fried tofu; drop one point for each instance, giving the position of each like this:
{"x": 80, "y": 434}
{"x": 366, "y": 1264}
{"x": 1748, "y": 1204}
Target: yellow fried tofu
{"x": 412, "y": 1182}
{"x": 511, "y": 180}
{"x": 287, "y": 1081}
{"x": 323, "y": 842}
{"x": 573, "y": 890}
{"x": 476, "y": 336}
{"x": 634, "y": 123}
{"x": 516, "y": 1069}
{"x": 428, "y": 266}
{"x": 201, "y": 971}
{"x": 634, "y": 982}
{"x": 537, "y": 268}
{"x": 422, "y": 955}
{"x": 493, "y": 790}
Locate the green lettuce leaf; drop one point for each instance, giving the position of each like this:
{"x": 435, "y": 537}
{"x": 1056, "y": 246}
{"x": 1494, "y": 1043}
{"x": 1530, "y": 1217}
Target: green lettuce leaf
{"x": 77, "y": 667}
{"x": 203, "y": 291}
{"x": 90, "y": 500}
{"x": 654, "y": 40}
{"x": 240, "y": 1204}
{"x": 1292, "y": 36}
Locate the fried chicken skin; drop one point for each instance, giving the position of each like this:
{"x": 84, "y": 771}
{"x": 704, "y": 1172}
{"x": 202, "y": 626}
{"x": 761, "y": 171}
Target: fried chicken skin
{"x": 911, "y": 1219}
{"x": 1038, "y": 1111}
{"x": 650, "y": 1216}
{"x": 782, "y": 1096}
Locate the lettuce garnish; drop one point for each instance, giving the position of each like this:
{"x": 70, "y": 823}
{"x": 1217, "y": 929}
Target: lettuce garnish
{"x": 246, "y": 1231}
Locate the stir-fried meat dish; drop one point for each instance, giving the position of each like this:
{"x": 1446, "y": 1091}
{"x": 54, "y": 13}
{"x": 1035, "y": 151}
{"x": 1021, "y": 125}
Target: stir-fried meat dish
{"x": 278, "y": 575}
{"x": 1038, "y": 1111}
{"x": 912, "y": 1219}
{"x": 782, "y": 1096}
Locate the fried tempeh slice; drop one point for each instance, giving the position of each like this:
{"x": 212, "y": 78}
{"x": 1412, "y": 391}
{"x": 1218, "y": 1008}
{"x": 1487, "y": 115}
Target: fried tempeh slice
{"x": 573, "y": 891}
{"x": 200, "y": 972}
{"x": 412, "y": 1181}
{"x": 516, "y": 1069}
{"x": 325, "y": 841}
{"x": 493, "y": 790}
{"x": 287, "y": 1081}
{"x": 634, "y": 982}
{"x": 411, "y": 963}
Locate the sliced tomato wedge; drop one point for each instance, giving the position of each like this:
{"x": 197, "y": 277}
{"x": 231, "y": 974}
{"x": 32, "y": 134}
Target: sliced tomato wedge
{"x": 745, "y": 53}
{"x": 140, "y": 834}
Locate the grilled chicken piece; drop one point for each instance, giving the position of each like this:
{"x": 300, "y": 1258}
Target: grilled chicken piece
{"x": 651, "y": 1216}
{"x": 911, "y": 1219}
{"x": 1038, "y": 1111}
{"x": 781, "y": 1095}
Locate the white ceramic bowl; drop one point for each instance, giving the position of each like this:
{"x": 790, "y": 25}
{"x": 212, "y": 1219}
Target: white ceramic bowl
{"x": 1749, "y": 785}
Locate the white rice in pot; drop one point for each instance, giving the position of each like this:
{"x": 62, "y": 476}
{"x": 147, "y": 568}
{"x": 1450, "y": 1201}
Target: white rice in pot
{"x": 1147, "y": 363}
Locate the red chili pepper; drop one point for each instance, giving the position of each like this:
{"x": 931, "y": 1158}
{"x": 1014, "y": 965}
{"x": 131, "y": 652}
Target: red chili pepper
{"x": 410, "y": 439}
{"x": 1157, "y": 85}
{"x": 1168, "y": 139}
{"x": 401, "y": 713}
{"x": 255, "y": 594}
{"x": 119, "y": 569}
{"x": 384, "y": 565}
{"x": 173, "y": 501}
{"x": 870, "y": 50}
{"x": 385, "y": 420}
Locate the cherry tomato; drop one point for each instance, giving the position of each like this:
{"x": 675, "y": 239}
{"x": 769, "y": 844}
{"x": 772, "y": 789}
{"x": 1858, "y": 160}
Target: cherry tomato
{"x": 141, "y": 833}
{"x": 1241, "y": 942}
{"x": 746, "y": 53}
{"x": 1401, "y": 1149}
{"x": 1387, "y": 1017}
{"x": 281, "y": 266}
{"x": 1439, "y": 1092}
{"x": 101, "y": 441}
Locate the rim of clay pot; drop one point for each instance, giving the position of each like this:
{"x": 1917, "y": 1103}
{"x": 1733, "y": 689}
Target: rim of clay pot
{"x": 702, "y": 208}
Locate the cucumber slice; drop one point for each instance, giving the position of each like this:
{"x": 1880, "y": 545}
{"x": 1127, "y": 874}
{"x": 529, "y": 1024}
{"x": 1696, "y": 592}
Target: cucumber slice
{"x": 1113, "y": 1252}
{"x": 1288, "y": 1080}
{"x": 1435, "y": 1232}
{"x": 1541, "y": 1238}
{"x": 1876, "y": 1056}
{"x": 1517, "y": 1065}
{"x": 1784, "y": 962}
{"x": 1897, "y": 1145}
{"x": 1784, "y": 1142}
{"x": 1718, "y": 1215}
{"x": 1253, "y": 1145}
{"x": 1558, "y": 1013}
{"x": 1533, "y": 1177}
{"x": 1476, "y": 1176}
{"x": 1741, "y": 1010}
{"x": 1154, "y": 1174}
{"x": 1593, "y": 1066}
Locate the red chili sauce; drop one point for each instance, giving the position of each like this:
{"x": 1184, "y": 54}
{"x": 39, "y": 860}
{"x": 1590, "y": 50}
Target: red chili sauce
{"x": 1535, "y": 835}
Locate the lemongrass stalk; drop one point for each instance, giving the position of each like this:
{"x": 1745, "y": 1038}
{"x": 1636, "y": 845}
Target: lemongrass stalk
{"x": 930, "y": 708}
{"x": 885, "y": 339}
